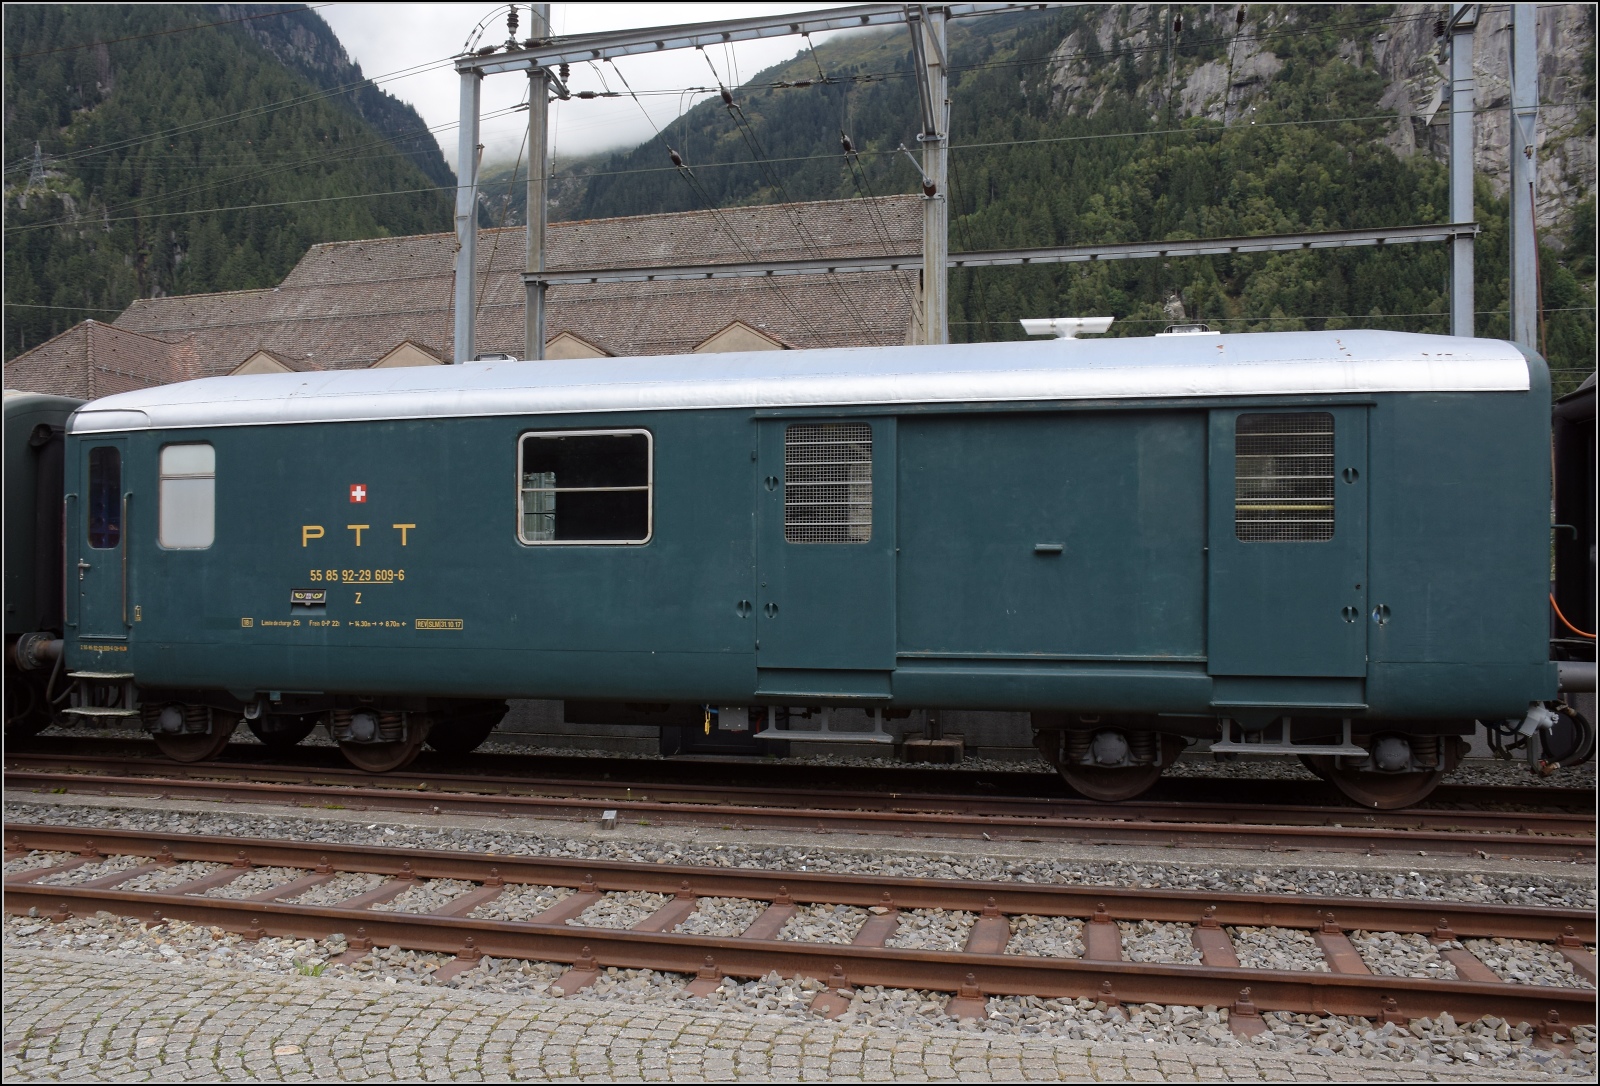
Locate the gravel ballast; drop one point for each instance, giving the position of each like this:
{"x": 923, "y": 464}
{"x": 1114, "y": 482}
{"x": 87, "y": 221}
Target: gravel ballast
{"x": 170, "y": 877}
{"x": 428, "y": 895}
{"x": 932, "y": 929}
{"x": 95, "y": 869}
{"x": 1152, "y": 941}
{"x": 1046, "y": 936}
{"x": 822, "y": 923}
{"x": 1392, "y": 954}
{"x": 341, "y": 887}
{"x": 257, "y": 880}
{"x": 619, "y": 909}
{"x": 1277, "y": 948}
{"x": 520, "y": 902}
{"x": 722, "y": 916}
{"x": 1522, "y": 962}
{"x": 34, "y": 860}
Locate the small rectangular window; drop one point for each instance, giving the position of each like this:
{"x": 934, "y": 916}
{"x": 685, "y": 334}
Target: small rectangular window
{"x": 827, "y": 483}
{"x": 105, "y": 497}
{"x": 188, "y": 518}
{"x": 1283, "y": 477}
{"x": 584, "y": 487}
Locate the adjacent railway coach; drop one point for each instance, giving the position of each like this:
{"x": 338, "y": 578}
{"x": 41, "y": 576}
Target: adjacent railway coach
{"x": 1332, "y": 544}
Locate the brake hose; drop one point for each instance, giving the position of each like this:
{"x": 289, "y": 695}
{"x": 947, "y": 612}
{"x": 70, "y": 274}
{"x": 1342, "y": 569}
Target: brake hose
{"x": 1564, "y": 621}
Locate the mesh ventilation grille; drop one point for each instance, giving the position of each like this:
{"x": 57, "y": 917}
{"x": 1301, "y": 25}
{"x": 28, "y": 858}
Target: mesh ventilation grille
{"x": 827, "y": 483}
{"x": 1283, "y": 478}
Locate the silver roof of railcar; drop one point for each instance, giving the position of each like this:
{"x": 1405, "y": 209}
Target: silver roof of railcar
{"x": 1256, "y": 364}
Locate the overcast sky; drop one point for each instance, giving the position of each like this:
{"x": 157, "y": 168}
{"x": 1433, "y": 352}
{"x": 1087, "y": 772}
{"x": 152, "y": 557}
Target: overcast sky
{"x": 390, "y": 38}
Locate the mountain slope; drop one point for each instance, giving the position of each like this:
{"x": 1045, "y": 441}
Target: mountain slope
{"x": 1104, "y": 124}
{"x": 303, "y": 43}
{"x": 187, "y": 160}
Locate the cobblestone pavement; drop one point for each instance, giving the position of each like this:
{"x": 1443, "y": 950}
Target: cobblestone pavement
{"x": 72, "y": 1017}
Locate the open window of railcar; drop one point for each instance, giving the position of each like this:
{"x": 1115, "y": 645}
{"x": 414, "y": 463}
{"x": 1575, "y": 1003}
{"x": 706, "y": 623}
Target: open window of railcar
{"x": 584, "y": 487}
{"x": 188, "y": 497}
{"x": 1283, "y": 477}
{"x": 827, "y": 483}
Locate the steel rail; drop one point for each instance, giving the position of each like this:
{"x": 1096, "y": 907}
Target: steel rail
{"x": 38, "y": 770}
{"x": 1104, "y": 830}
{"x": 972, "y": 973}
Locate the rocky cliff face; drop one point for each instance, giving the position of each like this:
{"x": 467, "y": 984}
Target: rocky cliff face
{"x": 1220, "y": 63}
{"x": 305, "y": 44}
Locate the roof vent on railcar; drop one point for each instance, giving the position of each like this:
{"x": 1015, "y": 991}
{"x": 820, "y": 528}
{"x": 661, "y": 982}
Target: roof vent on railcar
{"x": 1066, "y": 327}
{"x": 1188, "y": 330}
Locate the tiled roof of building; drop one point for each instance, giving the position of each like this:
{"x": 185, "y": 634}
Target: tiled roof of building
{"x": 96, "y": 359}
{"x": 346, "y": 304}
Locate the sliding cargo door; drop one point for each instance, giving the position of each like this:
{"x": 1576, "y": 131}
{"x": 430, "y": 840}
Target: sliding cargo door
{"x": 1288, "y": 543}
{"x": 824, "y": 609}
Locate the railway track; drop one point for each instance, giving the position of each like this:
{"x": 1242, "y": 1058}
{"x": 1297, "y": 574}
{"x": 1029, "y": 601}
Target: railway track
{"x": 981, "y": 968}
{"x": 784, "y": 775}
{"x": 1525, "y": 834}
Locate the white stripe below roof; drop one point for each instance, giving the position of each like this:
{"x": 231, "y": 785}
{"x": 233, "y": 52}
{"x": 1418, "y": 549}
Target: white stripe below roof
{"x": 1258, "y": 364}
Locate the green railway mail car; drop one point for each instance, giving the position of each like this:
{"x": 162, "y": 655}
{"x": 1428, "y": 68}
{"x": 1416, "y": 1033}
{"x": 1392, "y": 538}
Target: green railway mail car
{"x": 1334, "y": 544}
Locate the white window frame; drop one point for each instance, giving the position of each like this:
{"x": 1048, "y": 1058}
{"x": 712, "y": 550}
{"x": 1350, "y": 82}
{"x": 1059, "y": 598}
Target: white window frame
{"x": 649, "y": 488}
{"x": 161, "y": 498}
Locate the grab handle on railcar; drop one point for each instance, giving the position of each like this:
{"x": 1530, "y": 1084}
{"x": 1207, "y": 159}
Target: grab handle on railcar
{"x": 126, "y": 542}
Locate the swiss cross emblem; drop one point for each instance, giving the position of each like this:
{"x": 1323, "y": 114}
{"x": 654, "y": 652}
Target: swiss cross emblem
{"x": 358, "y": 493}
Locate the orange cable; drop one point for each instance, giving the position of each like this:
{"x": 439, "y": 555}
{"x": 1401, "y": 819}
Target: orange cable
{"x": 1564, "y": 621}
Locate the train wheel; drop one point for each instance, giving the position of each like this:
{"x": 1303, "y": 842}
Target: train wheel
{"x": 281, "y": 732}
{"x": 1379, "y": 791}
{"x": 461, "y": 736}
{"x": 384, "y": 757}
{"x": 1122, "y": 783}
{"x": 199, "y": 746}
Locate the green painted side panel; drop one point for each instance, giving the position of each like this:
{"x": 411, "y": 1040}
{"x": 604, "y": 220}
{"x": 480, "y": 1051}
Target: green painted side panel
{"x": 1086, "y": 687}
{"x": 1460, "y": 529}
{"x": 1116, "y": 499}
{"x": 1290, "y": 608}
{"x": 453, "y": 604}
{"x": 825, "y": 605}
{"x": 844, "y": 683}
{"x": 1429, "y": 691}
{"x": 1253, "y": 691}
